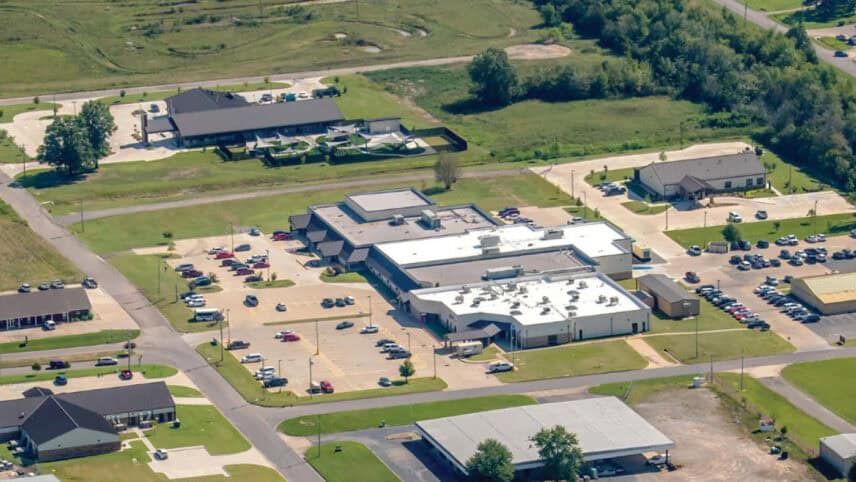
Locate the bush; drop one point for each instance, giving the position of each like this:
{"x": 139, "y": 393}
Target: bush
{"x": 36, "y": 366}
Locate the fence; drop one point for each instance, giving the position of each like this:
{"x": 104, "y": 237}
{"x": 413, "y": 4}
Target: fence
{"x": 456, "y": 142}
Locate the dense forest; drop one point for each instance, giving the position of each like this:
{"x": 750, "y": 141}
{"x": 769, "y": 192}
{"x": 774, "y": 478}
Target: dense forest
{"x": 696, "y": 52}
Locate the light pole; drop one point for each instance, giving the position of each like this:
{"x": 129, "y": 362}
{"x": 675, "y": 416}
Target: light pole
{"x": 157, "y": 267}
{"x": 279, "y": 372}
{"x": 82, "y": 225}
{"x": 434, "y": 353}
{"x": 370, "y": 310}
{"x": 572, "y": 183}
{"x": 228, "y": 324}
{"x": 408, "y": 342}
{"x": 221, "y": 340}
{"x": 317, "y": 340}
{"x": 686, "y": 306}
{"x": 310, "y": 377}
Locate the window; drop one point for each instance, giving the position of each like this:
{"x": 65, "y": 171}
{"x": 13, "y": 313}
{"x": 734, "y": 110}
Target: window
{"x": 759, "y": 181}
{"x": 727, "y": 184}
{"x": 749, "y": 182}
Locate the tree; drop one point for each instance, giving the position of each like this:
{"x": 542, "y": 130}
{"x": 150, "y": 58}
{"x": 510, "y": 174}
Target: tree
{"x": 67, "y": 145}
{"x": 550, "y": 16}
{"x": 36, "y": 366}
{"x": 36, "y": 100}
{"x": 96, "y": 119}
{"x": 851, "y": 474}
{"x": 731, "y": 233}
{"x": 560, "y": 452}
{"x": 446, "y": 170}
{"x": 494, "y": 77}
{"x": 406, "y": 370}
{"x": 777, "y": 225}
{"x": 491, "y": 463}
{"x": 663, "y": 156}
{"x": 122, "y": 93}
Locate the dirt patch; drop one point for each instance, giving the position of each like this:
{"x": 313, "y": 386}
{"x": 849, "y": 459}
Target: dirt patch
{"x": 372, "y": 49}
{"x": 403, "y": 436}
{"x": 710, "y": 445}
{"x": 537, "y": 51}
{"x": 340, "y": 35}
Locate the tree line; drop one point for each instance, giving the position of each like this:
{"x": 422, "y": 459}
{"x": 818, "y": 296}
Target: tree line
{"x": 806, "y": 111}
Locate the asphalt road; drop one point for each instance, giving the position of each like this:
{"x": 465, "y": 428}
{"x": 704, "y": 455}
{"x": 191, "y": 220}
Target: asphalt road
{"x": 761, "y": 19}
{"x": 356, "y": 183}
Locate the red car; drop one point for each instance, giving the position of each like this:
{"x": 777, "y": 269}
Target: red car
{"x": 261, "y": 265}
{"x": 326, "y": 387}
{"x": 281, "y": 237}
{"x": 735, "y": 309}
{"x": 290, "y": 337}
{"x": 192, "y": 273}
{"x": 244, "y": 272}
{"x": 126, "y": 375}
{"x": 224, "y": 255}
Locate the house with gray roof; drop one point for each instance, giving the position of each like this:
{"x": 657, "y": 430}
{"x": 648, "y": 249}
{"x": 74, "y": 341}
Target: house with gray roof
{"x": 201, "y": 117}
{"x": 76, "y": 424}
{"x": 697, "y": 178}
{"x": 21, "y": 310}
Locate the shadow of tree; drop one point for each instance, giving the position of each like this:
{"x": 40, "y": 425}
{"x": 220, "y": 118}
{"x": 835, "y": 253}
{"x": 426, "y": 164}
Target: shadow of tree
{"x": 50, "y": 178}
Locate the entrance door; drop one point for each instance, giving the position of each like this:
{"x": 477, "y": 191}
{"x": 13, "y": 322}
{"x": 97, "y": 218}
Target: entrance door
{"x": 581, "y": 335}
{"x": 635, "y": 328}
{"x": 552, "y": 340}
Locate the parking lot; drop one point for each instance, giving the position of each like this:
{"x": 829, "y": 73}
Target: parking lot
{"x": 347, "y": 359}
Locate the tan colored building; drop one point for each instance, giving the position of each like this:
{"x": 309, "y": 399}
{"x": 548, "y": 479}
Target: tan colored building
{"x": 670, "y": 297}
{"x": 830, "y": 294}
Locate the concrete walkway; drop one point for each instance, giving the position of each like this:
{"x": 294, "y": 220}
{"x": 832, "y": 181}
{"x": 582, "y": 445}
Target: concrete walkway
{"x": 655, "y": 359}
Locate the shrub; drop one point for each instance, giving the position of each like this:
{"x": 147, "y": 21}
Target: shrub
{"x": 36, "y": 366}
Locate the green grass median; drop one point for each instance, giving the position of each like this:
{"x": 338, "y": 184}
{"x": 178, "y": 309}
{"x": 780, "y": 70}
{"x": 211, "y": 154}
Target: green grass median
{"x": 398, "y": 415}
{"x": 184, "y": 392}
{"x": 573, "y": 360}
{"x": 348, "y": 462}
{"x": 69, "y": 341}
{"x": 719, "y": 346}
{"x": 147, "y": 371}
{"x": 831, "y": 225}
{"x": 637, "y": 391}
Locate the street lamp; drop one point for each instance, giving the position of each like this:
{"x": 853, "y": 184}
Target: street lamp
{"x": 279, "y": 372}
{"x": 310, "y": 377}
{"x": 228, "y": 324}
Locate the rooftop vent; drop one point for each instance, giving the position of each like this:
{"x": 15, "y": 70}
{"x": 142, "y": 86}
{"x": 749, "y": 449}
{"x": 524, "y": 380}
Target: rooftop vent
{"x": 489, "y": 240}
{"x": 516, "y": 304}
{"x": 545, "y": 310}
{"x": 516, "y": 312}
{"x": 601, "y": 299}
{"x": 430, "y": 219}
{"x": 554, "y": 234}
{"x": 583, "y": 284}
{"x": 397, "y": 220}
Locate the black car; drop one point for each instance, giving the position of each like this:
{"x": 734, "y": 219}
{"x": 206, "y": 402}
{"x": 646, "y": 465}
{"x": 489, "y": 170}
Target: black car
{"x": 253, "y": 278}
{"x": 276, "y": 382}
{"x": 384, "y": 341}
{"x": 745, "y": 245}
{"x": 340, "y": 302}
{"x": 701, "y": 288}
{"x": 251, "y": 300}
{"x": 788, "y": 279}
{"x": 775, "y": 263}
{"x": 344, "y": 325}
{"x": 242, "y": 247}
{"x": 734, "y": 260}
{"x": 762, "y": 244}
{"x": 839, "y": 255}
{"x": 186, "y": 294}
{"x": 812, "y": 318}
{"x": 328, "y": 303}
{"x": 785, "y": 254}
{"x": 238, "y": 345}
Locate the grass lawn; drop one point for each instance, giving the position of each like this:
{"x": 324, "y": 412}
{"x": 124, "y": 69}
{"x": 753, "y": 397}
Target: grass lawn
{"x": 720, "y": 346}
{"x": 354, "y": 462}
{"x": 280, "y": 283}
{"x": 806, "y": 428}
{"x": 253, "y": 392}
{"x": 534, "y": 129}
{"x": 830, "y": 382}
{"x": 35, "y": 261}
{"x": 773, "y": 5}
{"x": 709, "y": 318}
{"x": 833, "y": 43}
{"x": 788, "y": 178}
{"x": 572, "y": 361}
{"x": 349, "y": 277}
{"x": 489, "y": 353}
{"x": 831, "y": 225}
{"x": 364, "y": 99}
{"x": 69, "y": 341}
{"x": 641, "y": 207}
{"x": 611, "y": 175}
{"x": 10, "y": 111}
{"x": 148, "y": 371}
{"x": 130, "y": 465}
{"x": 142, "y": 271}
{"x": 153, "y": 96}
{"x": 200, "y": 425}
{"x": 810, "y": 19}
{"x": 89, "y": 46}
{"x": 397, "y": 415}
{"x": 185, "y": 392}
{"x": 637, "y": 391}
{"x": 120, "y": 233}
{"x": 10, "y": 152}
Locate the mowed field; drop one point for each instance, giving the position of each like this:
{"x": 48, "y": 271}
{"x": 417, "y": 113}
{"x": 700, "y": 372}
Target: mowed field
{"x": 27, "y": 257}
{"x": 104, "y": 43}
{"x": 830, "y": 382}
{"x": 119, "y": 233}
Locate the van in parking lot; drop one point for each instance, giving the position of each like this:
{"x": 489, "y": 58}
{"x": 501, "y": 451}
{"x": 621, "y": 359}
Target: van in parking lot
{"x": 251, "y": 358}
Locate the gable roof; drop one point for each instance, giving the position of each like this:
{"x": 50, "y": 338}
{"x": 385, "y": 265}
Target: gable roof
{"x": 663, "y": 287}
{"x": 25, "y": 305}
{"x": 743, "y": 164}
{"x": 198, "y": 100}
{"x": 253, "y": 117}
{"x": 693, "y": 184}
{"x": 123, "y": 399}
{"x": 55, "y": 417}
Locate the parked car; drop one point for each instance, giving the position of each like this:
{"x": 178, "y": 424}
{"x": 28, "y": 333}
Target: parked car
{"x": 281, "y": 237}
{"x": 276, "y": 382}
{"x": 278, "y": 335}
{"x": 238, "y": 345}
{"x": 60, "y": 380}
{"x": 658, "y": 459}
{"x": 327, "y": 387}
{"x": 349, "y": 300}
{"x": 704, "y": 288}
{"x": 762, "y": 244}
{"x": 744, "y": 266}
{"x": 291, "y": 337}
{"x": 811, "y": 318}
{"x": 344, "y": 325}
{"x": 328, "y": 303}
{"x": 369, "y": 329}
{"x": 224, "y": 255}
{"x": 244, "y": 271}
{"x": 761, "y": 214}
{"x": 694, "y": 250}
{"x": 57, "y": 284}
{"x": 251, "y": 300}
{"x": 840, "y": 53}
{"x": 735, "y": 259}
{"x": 191, "y": 273}
{"x": 154, "y": 109}
{"x": 281, "y": 307}
{"x": 399, "y": 354}
{"x": 215, "y": 250}
{"x": 691, "y": 277}
{"x": 126, "y": 374}
{"x": 384, "y": 341}
{"x": 105, "y": 361}
{"x": 501, "y": 367}
{"x": 251, "y": 358}
{"x": 253, "y": 278}
{"x": 24, "y": 288}
{"x": 261, "y": 265}
{"x": 255, "y": 232}
{"x": 161, "y": 454}
{"x": 184, "y": 267}
{"x": 734, "y": 217}
{"x": 187, "y": 294}
{"x": 795, "y": 261}
{"x": 507, "y": 211}
{"x": 242, "y": 248}
{"x": 57, "y": 365}
{"x": 340, "y": 302}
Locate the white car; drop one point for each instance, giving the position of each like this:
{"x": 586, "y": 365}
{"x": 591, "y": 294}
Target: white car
{"x": 658, "y": 459}
{"x": 369, "y": 329}
{"x": 280, "y": 334}
{"x": 218, "y": 249}
{"x": 161, "y": 454}
{"x": 349, "y": 300}
{"x": 251, "y": 358}
{"x": 195, "y": 302}
{"x": 501, "y": 367}
{"x": 302, "y": 95}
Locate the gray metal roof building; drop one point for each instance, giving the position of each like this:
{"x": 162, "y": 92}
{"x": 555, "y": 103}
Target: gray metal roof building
{"x": 694, "y": 177}
{"x": 19, "y": 309}
{"x": 670, "y": 297}
{"x": 605, "y": 428}
{"x": 198, "y": 99}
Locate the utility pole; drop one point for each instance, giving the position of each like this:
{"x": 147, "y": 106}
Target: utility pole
{"x": 696, "y": 335}
{"x": 310, "y": 386}
{"x": 667, "y": 218}
{"x": 317, "y": 340}
{"x": 572, "y": 183}
{"x": 741, "y": 370}
{"x": 157, "y": 266}
{"x": 434, "y": 352}
{"x": 267, "y": 259}
{"x": 129, "y": 351}
{"x": 814, "y": 215}
{"x": 82, "y": 225}
{"x": 221, "y": 342}
{"x": 408, "y": 342}
{"x": 370, "y": 310}
{"x": 228, "y": 325}
{"x": 318, "y": 424}
{"x": 24, "y": 157}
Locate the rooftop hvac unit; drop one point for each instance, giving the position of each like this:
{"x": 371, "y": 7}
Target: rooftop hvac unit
{"x": 601, "y": 298}
{"x": 489, "y": 240}
{"x": 544, "y": 299}
{"x": 430, "y": 218}
{"x": 397, "y": 220}
{"x": 494, "y": 296}
{"x": 478, "y": 299}
{"x": 545, "y": 310}
{"x": 583, "y": 284}
{"x": 572, "y": 314}
{"x": 516, "y": 304}
{"x": 573, "y": 292}
{"x": 465, "y": 289}
{"x": 523, "y": 289}
{"x": 459, "y": 299}
{"x": 476, "y": 303}
{"x": 613, "y": 300}
{"x": 490, "y": 249}
{"x": 554, "y": 234}
{"x": 516, "y": 312}
{"x": 502, "y": 272}
{"x": 512, "y": 286}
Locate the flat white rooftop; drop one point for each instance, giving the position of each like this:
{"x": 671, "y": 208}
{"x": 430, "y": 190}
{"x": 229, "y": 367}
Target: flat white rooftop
{"x": 592, "y": 239}
{"x": 536, "y": 299}
{"x": 383, "y": 200}
{"x": 605, "y": 428}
